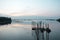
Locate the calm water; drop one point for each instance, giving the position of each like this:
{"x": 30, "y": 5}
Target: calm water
{"x": 23, "y": 31}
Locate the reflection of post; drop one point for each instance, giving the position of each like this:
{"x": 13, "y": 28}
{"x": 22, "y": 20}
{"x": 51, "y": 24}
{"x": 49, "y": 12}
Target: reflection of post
{"x": 43, "y": 36}
{"x": 47, "y": 32}
{"x": 36, "y": 29}
{"x": 40, "y": 24}
{"x": 37, "y": 35}
{"x": 47, "y": 36}
{"x": 42, "y": 30}
{"x": 40, "y": 27}
{"x": 33, "y": 23}
{"x": 37, "y": 32}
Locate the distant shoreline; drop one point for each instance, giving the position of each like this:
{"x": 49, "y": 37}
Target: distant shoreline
{"x": 5, "y": 20}
{"x": 58, "y": 20}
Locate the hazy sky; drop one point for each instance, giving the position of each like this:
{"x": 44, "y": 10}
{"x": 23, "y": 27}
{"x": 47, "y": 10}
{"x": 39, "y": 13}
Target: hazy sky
{"x": 30, "y": 7}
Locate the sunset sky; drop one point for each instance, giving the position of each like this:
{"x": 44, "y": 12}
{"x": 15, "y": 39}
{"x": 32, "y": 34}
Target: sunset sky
{"x": 30, "y": 7}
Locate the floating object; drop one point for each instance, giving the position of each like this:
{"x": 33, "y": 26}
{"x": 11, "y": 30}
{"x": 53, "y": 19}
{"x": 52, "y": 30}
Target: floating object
{"x": 34, "y": 28}
{"x": 47, "y": 29}
{"x": 42, "y": 29}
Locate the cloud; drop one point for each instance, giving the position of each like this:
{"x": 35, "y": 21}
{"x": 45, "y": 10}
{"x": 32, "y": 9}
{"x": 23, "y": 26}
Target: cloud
{"x": 32, "y": 11}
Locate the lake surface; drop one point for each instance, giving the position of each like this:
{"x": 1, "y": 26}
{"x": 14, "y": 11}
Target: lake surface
{"x": 23, "y": 31}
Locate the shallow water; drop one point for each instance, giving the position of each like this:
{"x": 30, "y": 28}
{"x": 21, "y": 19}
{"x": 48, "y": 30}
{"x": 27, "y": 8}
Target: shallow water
{"x": 23, "y": 31}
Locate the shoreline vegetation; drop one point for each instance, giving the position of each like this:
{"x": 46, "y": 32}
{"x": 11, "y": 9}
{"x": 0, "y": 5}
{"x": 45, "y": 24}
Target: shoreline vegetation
{"x": 58, "y": 20}
{"x": 5, "y": 20}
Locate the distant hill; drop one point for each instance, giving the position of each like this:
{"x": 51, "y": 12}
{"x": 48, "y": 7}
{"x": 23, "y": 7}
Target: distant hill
{"x": 34, "y": 17}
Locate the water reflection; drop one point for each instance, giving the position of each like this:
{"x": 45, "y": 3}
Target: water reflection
{"x": 22, "y": 31}
{"x": 40, "y": 29}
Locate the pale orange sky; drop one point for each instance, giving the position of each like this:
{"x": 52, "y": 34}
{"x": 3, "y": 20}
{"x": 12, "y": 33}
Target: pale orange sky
{"x": 30, "y": 7}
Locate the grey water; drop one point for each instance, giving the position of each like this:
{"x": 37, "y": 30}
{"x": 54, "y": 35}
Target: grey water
{"x": 22, "y": 30}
